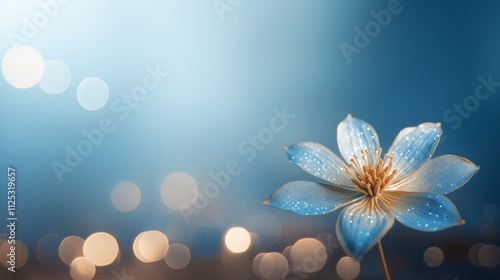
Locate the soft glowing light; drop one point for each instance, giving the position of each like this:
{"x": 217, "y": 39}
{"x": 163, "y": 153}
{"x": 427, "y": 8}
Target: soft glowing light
{"x": 237, "y": 240}
{"x": 348, "y": 268}
{"x": 150, "y": 246}
{"x": 100, "y": 248}
{"x": 22, "y": 66}
{"x": 82, "y": 269}
{"x": 308, "y": 255}
{"x": 489, "y": 255}
{"x": 179, "y": 191}
{"x": 71, "y": 247}
{"x": 287, "y": 253}
{"x": 21, "y": 253}
{"x": 273, "y": 266}
{"x": 56, "y": 77}
{"x": 178, "y": 256}
{"x": 47, "y": 249}
{"x": 255, "y": 239}
{"x": 256, "y": 265}
{"x": 474, "y": 253}
{"x": 92, "y": 93}
{"x": 433, "y": 256}
{"x": 489, "y": 232}
{"x": 491, "y": 213}
{"x": 125, "y": 196}
{"x": 137, "y": 251}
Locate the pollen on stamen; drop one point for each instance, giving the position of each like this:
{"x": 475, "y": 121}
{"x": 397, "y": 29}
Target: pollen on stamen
{"x": 371, "y": 179}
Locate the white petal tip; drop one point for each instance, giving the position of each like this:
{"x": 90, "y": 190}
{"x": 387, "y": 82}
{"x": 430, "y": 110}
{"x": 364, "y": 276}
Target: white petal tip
{"x": 266, "y": 202}
{"x": 284, "y": 148}
{"x": 462, "y": 222}
{"x": 438, "y": 124}
{"x": 466, "y": 160}
{"x": 349, "y": 116}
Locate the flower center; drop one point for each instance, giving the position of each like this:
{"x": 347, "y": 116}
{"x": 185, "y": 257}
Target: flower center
{"x": 371, "y": 179}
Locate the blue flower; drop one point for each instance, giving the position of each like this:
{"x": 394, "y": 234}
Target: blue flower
{"x": 405, "y": 185}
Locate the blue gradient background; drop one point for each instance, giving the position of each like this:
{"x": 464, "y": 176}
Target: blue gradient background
{"x": 226, "y": 77}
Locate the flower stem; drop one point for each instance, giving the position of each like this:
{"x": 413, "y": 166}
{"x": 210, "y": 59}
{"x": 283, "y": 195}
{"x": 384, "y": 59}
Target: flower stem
{"x": 382, "y": 260}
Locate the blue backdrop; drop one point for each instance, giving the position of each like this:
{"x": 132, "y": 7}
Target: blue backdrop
{"x": 233, "y": 67}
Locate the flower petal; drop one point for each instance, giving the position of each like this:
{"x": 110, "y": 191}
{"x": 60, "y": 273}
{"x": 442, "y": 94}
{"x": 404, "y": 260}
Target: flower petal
{"x": 361, "y": 225}
{"x": 413, "y": 147}
{"x": 320, "y": 162}
{"x": 423, "y": 211}
{"x": 440, "y": 175}
{"x": 355, "y": 135}
{"x": 310, "y": 198}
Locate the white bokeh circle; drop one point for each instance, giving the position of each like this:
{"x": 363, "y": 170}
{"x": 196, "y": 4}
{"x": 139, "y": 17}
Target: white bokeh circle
{"x": 22, "y": 66}
{"x": 92, "y": 93}
{"x": 56, "y": 77}
{"x": 125, "y": 196}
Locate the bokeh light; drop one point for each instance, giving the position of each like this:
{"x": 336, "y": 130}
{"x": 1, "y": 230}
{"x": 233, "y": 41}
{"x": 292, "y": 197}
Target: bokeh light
{"x": 126, "y": 196}
{"x": 489, "y": 255}
{"x": 273, "y": 266}
{"x": 56, "y": 77}
{"x": 179, "y": 191}
{"x": 433, "y": 256}
{"x": 21, "y": 253}
{"x": 82, "y": 269}
{"x": 260, "y": 66}
{"x": 47, "y": 249}
{"x": 100, "y": 248}
{"x": 308, "y": 255}
{"x": 178, "y": 256}
{"x": 256, "y": 265}
{"x": 150, "y": 246}
{"x": 22, "y": 66}
{"x": 237, "y": 240}
{"x": 491, "y": 213}
{"x": 490, "y": 233}
{"x": 71, "y": 248}
{"x": 474, "y": 253}
{"x": 287, "y": 253}
{"x": 254, "y": 238}
{"x": 348, "y": 268}
{"x": 137, "y": 251}
{"x": 92, "y": 93}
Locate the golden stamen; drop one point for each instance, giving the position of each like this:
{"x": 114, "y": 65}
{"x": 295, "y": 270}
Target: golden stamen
{"x": 371, "y": 179}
